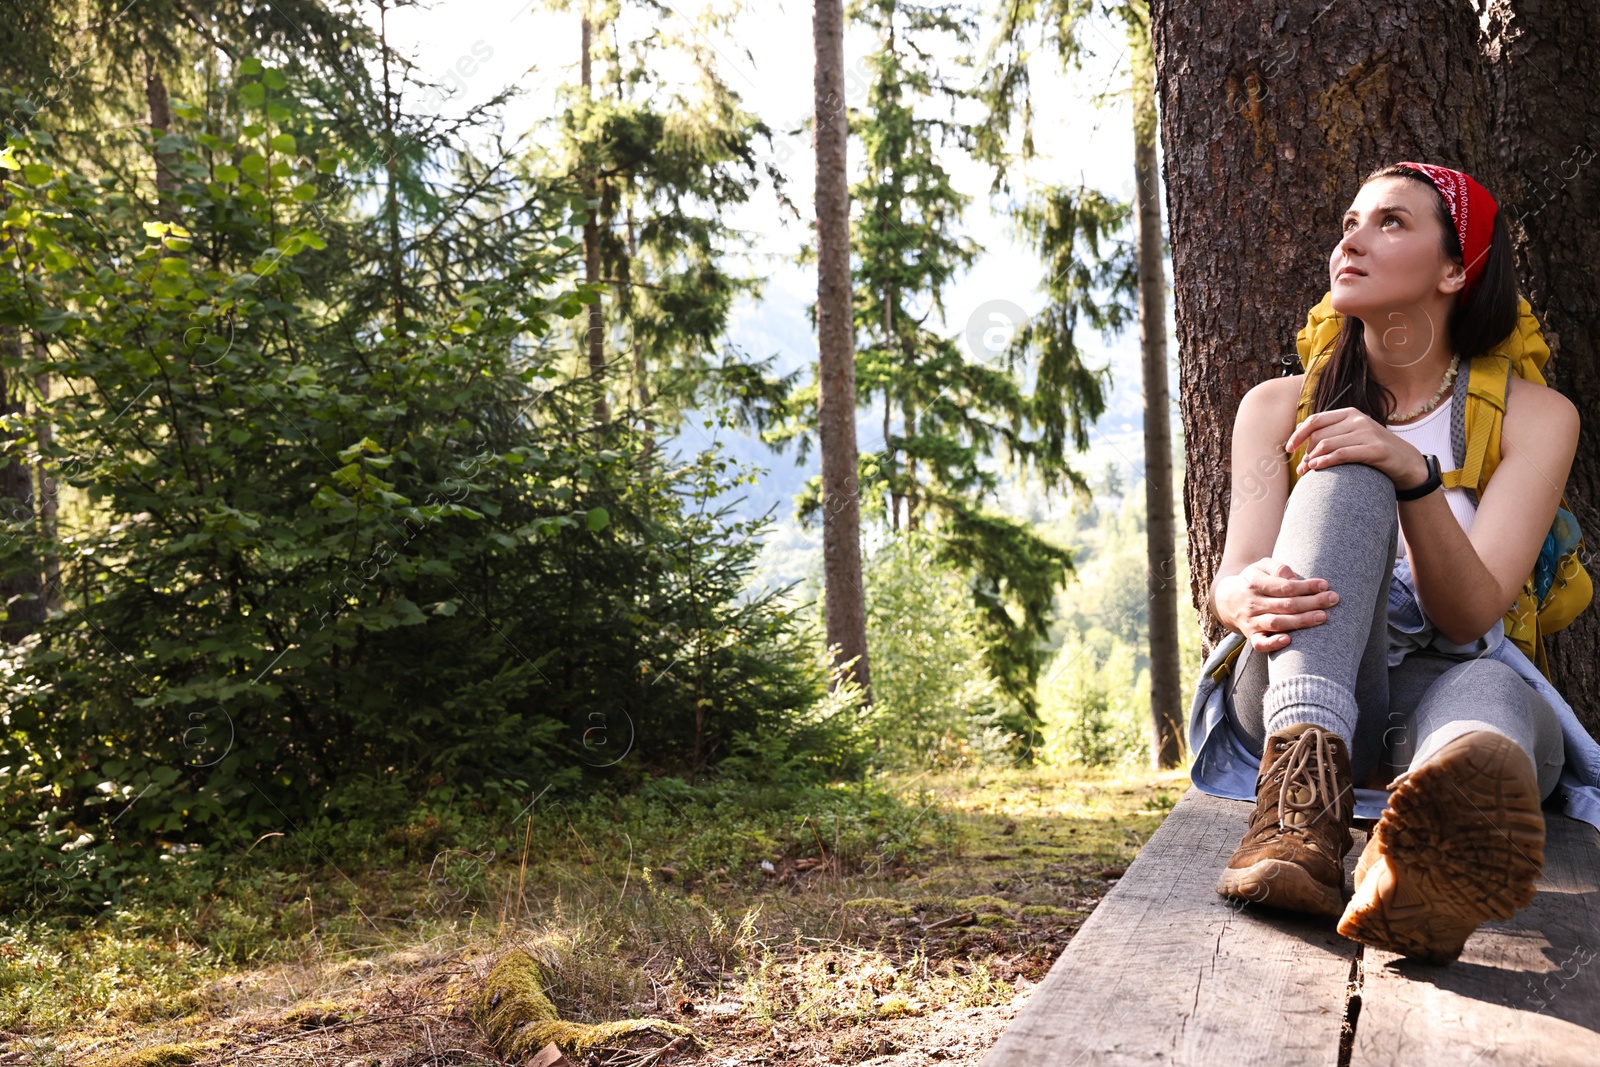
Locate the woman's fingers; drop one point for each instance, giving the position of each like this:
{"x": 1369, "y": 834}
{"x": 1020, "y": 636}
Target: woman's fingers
{"x": 1279, "y": 622}
{"x": 1268, "y": 642}
{"x": 1287, "y": 585}
{"x": 1302, "y": 605}
{"x": 1328, "y": 442}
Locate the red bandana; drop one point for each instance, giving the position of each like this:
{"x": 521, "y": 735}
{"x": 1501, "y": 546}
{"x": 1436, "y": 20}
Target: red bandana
{"x": 1473, "y": 210}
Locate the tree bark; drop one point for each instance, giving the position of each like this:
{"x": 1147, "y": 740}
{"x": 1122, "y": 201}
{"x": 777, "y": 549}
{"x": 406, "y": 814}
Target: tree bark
{"x": 20, "y": 590}
{"x": 836, "y": 369}
{"x": 591, "y": 239}
{"x": 1267, "y": 132}
{"x": 1166, "y": 697}
{"x": 51, "y": 591}
{"x": 155, "y": 94}
{"x": 391, "y": 210}
{"x": 1543, "y": 68}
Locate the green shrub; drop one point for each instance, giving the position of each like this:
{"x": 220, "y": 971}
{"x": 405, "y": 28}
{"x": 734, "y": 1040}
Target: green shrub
{"x": 324, "y": 549}
{"x": 935, "y": 703}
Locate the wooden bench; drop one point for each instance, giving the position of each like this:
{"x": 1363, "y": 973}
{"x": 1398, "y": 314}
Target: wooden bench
{"x": 1167, "y": 972}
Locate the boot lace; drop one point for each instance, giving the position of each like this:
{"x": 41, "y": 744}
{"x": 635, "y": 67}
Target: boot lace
{"x": 1308, "y": 764}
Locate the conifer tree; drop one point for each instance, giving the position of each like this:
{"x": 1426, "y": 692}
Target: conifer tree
{"x": 1132, "y": 281}
{"x": 660, "y": 164}
{"x": 953, "y": 415}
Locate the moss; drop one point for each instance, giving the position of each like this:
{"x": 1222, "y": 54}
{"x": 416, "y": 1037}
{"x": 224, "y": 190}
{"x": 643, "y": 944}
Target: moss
{"x": 512, "y": 1010}
{"x": 158, "y": 1007}
{"x": 999, "y": 922}
{"x": 1040, "y": 911}
{"x": 173, "y": 1055}
{"x": 881, "y": 904}
{"x": 315, "y": 1013}
{"x": 982, "y": 903}
{"x": 897, "y": 1006}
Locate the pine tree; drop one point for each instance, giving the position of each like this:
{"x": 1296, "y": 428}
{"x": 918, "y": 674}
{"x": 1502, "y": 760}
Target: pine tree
{"x": 952, "y": 409}
{"x": 1139, "y": 280}
{"x": 660, "y": 164}
{"x": 839, "y": 485}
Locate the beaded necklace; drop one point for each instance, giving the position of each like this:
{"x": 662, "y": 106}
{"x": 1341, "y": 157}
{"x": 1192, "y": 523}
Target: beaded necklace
{"x": 1449, "y": 376}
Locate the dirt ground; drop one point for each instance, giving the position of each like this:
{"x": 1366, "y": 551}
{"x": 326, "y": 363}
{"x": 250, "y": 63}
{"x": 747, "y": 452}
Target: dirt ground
{"x": 898, "y": 967}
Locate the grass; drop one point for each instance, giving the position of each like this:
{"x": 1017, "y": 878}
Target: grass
{"x": 808, "y": 925}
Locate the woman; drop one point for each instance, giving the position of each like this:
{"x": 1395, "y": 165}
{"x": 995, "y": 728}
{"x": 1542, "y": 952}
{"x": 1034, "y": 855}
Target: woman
{"x": 1328, "y": 691}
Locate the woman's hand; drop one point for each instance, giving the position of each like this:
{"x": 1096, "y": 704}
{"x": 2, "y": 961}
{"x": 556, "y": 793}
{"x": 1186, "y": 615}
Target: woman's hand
{"x": 1267, "y": 599}
{"x": 1345, "y": 435}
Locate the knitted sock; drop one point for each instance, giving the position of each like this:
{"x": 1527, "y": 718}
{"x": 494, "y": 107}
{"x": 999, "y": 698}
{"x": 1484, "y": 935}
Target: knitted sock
{"x": 1313, "y": 699}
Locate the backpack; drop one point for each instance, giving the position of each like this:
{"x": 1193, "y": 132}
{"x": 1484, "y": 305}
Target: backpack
{"x": 1559, "y": 589}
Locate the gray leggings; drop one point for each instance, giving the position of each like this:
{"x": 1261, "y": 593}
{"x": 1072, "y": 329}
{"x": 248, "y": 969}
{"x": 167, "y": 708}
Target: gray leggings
{"x": 1340, "y": 525}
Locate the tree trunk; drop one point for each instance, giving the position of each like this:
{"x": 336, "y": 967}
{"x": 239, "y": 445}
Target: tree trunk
{"x": 641, "y": 369}
{"x": 51, "y": 591}
{"x": 1541, "y": 63}
{"x": 1266, "y": 134}
{"x": 888, "y": 462}
{"x": 591, "y": 241}
{"x": 836, "y": 368}
{"x": 20, "y": 590}
{"x": 908, "y": 412}
{"x": 1166, "y": 697}
{"x": 155, "y": 94}
{"x": 391, "y": 210}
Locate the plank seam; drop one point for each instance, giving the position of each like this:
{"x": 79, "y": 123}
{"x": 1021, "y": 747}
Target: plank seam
{"x": 1352, "y": 1005}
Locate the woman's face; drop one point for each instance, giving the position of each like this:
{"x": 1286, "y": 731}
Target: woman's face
{"x": 1392, "y": 236}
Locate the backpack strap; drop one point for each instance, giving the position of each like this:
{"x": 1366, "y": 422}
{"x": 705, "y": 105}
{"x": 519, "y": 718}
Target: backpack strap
{"x": 1488, "y": 383}
{"x": 1308, "y": 388}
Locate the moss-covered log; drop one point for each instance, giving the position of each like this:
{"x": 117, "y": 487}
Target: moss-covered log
{"x": 518, "y": 1019}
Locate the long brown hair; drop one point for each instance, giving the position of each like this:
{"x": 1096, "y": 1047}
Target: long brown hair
{"x": 1477, "y": 322}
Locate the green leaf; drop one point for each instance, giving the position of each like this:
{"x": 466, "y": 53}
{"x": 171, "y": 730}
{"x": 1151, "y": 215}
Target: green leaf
{"x": 49, "y": 320}
{"x": 253, "y": 94}
{"x": 597, "y": 519}
{"x": 252, "y": 65}
{"x": 305, "y": 192}
{"x": 283, "y": 142}
{"x": 328, "y": 497}
{"x": 38, "y": 173}
{"x": 226, "y": 174}
{"x": 273, "y": 78}
{"x": 8, "y": 161}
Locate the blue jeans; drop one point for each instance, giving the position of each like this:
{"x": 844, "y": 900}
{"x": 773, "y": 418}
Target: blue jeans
{"x": 1340, "y": 525}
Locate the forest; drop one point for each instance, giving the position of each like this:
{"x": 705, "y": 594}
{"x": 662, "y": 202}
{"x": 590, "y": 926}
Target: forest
{"x": 593, "y": 508}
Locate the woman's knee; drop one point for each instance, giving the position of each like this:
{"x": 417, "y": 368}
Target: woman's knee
{"x": 1493, "y": 695}
{"x": 1352, "y": 499}
{"x": 1480, "y": 679}
{"x": 1357, "y": 479}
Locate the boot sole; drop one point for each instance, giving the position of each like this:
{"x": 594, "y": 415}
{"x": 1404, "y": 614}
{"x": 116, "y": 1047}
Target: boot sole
{"x": 1281, "y": 884}
{"x": 1460, "y": 842}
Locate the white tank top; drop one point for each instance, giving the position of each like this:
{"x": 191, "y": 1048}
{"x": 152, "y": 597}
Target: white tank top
{"x": 1430, "y": 435}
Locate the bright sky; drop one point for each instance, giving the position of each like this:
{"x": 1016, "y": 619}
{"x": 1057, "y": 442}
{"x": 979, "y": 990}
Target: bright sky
{"x": 481, "y": 46}
{"x": 478, "y": 47}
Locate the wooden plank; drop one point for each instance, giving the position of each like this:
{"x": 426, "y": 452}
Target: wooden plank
{"x": 1525, "y": 991}
{"x": 1165, "y": 971}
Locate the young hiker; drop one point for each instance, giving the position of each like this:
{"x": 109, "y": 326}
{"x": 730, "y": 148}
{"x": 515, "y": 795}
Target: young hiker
{"x": 1367, "y": 601}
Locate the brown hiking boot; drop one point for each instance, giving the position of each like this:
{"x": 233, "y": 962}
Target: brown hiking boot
{"x": 1292, "y": 855}
{"x": 1461, "y": 841}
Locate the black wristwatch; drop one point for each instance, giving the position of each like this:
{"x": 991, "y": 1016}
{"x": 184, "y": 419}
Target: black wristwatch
{"x": 1429, "y": 484}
